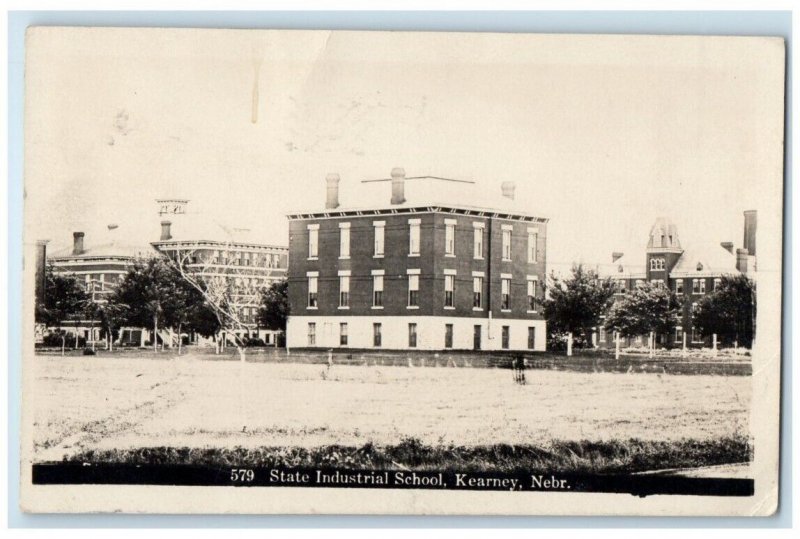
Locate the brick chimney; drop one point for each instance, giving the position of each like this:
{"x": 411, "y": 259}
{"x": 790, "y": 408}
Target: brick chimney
{"x": 616, "y": 255}
{"x": 398, "y": 185}
{"x": 508, "y": 189}
{"x": 728, "y": 246}
{"x": 77, "y": 243}
{"x": 332, "y": 191}
{"x": 741, "y": 260}
{"x": 165, "y": 230}
{"x": 750, "y": 222}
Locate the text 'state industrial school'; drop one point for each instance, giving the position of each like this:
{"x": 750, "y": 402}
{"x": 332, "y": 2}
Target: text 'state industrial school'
{"x": 424, "y": 263}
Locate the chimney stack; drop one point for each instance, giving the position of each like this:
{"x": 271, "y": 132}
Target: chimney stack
{"x": 616, "y": 255}
{"x": 77, "y": 243}
{"x": 508, "y": 189}
{"x": 165, "y": 230}
{"x": 332, "y": 191}
{"x": 113, "y": 226}
{"x": 741, "y": 260}
{"x": 750, "y": 223}
{"x": 398, "y": 185}
{"x": 728, "y": 246}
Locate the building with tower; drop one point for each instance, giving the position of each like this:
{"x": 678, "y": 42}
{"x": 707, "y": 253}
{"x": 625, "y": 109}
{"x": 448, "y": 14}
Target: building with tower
{"x": 424, "y": 262}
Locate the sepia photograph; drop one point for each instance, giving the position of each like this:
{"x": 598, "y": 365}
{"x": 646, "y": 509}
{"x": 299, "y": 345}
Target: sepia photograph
{"x": 363, "y": 272}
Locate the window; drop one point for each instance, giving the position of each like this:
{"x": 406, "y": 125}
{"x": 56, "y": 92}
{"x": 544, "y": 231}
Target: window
{"x": 659, "y": 283}
{"x": 506, "y": 243}
{"x": 412, "y": 335}
{"x": 477, "y": 289}
{"x": 602, "y": 333}
{"x": 448, "y": 335}
{"x": 717, "y": 283}
{"x": 413, "y": 290}
{"x": 413, "y": 237}
{"x": 621, "y": 286}
{"x": 380, "y": 227}
{"x": 532, "y": 295}
{"x": 313, "y": 241}
{"x": 312, "y": 291}
{"x": 505, "y": 337}
{"x": 505, "y": 293}
{"x": 531, "y": 338}
{"x": 343, "y": 333}
{"x": 377, "y": 290}
{"x": 344, "y": 290}
{"x": 657, "y": 264}
{"x": 477, "y": 242}
{"x": 449, "y": 290}
{"x": 376, "y": 334}
{"x": 450, "y": 238}
{"x": 698, "y": 286}
{"x": 679, "y": 334}
{"x": 696, "y": 337}
{"x": 312, "y": 333}
{"x": 533, "y": 246}
{"x": 679, "y": 287}
{"x": 344, "y": 240}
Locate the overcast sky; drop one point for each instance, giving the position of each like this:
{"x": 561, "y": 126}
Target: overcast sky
{"x": 601, "y": 135}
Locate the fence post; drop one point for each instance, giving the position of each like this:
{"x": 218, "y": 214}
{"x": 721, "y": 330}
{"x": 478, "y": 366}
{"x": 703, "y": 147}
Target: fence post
{"x": 684, "y": 344}
{"x": 569, "y": 344}
{"x": 714, "y": 344}
{"x": 616, "y": 346}
{"x": 652, "y": 344}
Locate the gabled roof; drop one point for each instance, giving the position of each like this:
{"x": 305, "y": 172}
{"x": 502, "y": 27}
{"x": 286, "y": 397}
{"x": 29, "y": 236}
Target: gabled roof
{"x": 705, "y": 261}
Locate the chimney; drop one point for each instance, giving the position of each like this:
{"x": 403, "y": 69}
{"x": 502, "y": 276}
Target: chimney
{"x": 398, "y": 185}
{"x": 741, "y": 260}
{"x": 728, "y": 246}
{"x": 165, "y": 230}
{"x": 332, "y": 191}
{"x": 616, "y": 255}
{"x": 508, "y": 189}
{"x": 77, "y": 243}
{"x": 750, "y": 223}
{"x": 112, "y": 227}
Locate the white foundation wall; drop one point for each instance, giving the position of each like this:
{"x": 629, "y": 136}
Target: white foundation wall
{"x": 430, "y": 332}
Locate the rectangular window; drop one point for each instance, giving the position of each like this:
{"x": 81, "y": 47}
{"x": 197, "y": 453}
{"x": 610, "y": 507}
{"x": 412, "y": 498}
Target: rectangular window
{"x": 696, "y": 337}
{"x": 376, "y": 334}
{"x": 449, "y": 290}
{"x": 532, "y": 295}
{"x": 412, "y": 335}
{"x": 343, "y": 333}
{"x": 621, "y": 286}
{"x": 344, "y": 291}
{"x": 377, "y": 290}
{"x": 602, "y": 333}
{"x": 531, "y": 338}
{"x": 312, "y": 333}
{"x": 698, "y": 286}
{"x": 344, "y": 240}
{"x": 717, "y": 283}
{"x": 413, "y": 290}
{"x": 679, "y": 287}
{"x": 533, "y": 247}
{"x": 379, "y": 234}
{"x": 505, "y": 294}
{"x": 313, "y": 241}
{"x": 312, "y": 291}
{"x": 449, "y": 239}
{"x": 679, "y": 334}
{"x": 477, "y": 243}
{"x": 505, "y": 337}
{"x": 413, "y": 237}
{"x": 506, "y": 244}
{"x": 477, "y": 290}
{"x": 448, "y": 335}
{"x": 702, "y": 286}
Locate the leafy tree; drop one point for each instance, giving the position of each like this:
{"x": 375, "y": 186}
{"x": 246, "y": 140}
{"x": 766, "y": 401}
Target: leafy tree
{"x": 274, "y": 310}
{"x": 729, "y": 311}
{"x": 64, "y": 296}
{"x": 574, "y": 304}
{"x": 649, "y": 307}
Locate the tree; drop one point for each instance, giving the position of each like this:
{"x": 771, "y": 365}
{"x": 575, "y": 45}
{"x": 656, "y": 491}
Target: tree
{"x": 574, "y": 305}
{"x": 274, "y": 310}
{"x": 64, "y": 297}
{"x": 729, "y": 311}
{"x": 648, "y": 308}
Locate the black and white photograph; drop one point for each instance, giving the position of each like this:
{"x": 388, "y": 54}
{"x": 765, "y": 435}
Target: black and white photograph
{"x": 364, "y": 272}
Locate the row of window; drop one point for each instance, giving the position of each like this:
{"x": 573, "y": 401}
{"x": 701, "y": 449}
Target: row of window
{"x": 698, "y": 285}
{"x": 413, "y": 290}
{"x": 377, "y": 335}
{"x": 414, "y": 231}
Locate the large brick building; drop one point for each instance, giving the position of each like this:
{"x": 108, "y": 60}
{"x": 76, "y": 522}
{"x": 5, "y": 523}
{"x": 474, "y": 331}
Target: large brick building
{"x": 431, "y": 263}
{"x": 691, "y": 273}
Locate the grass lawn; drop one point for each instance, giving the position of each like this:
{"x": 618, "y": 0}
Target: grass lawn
{"x": 115, "y": 406}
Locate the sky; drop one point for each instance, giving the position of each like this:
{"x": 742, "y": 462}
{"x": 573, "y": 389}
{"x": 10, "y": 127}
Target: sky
{"x": 601, "y": 134}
